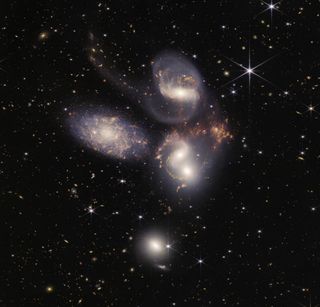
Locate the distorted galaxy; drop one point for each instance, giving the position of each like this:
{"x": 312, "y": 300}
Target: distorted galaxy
{"x": 160, "y": 153}
{"x": 179, "y": 84}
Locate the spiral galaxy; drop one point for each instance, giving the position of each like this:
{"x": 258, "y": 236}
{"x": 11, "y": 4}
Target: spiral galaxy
{"x": 108, "y": 134}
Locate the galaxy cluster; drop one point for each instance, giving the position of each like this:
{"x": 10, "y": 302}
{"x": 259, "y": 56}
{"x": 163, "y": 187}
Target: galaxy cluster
{"x": 177, "y": 98}
{"x": 159, "y": 153}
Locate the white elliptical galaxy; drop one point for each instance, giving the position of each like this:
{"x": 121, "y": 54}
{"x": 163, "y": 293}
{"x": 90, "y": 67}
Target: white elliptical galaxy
{"x": 108, "y": 134}
{"x": 153, "y": 247}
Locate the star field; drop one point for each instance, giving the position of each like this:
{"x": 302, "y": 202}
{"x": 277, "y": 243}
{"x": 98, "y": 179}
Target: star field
{"x": 160, "y": 153}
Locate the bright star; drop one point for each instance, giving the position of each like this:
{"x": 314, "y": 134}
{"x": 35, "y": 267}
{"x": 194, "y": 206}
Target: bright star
{"x": 311, "y": 108}
{"x": 270, "y": 7}
{"x": 249, "y": 70}
{"x": 90, "y": 210}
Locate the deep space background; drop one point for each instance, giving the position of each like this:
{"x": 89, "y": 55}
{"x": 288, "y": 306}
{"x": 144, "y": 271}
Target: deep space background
{"x": 255, "y": 223}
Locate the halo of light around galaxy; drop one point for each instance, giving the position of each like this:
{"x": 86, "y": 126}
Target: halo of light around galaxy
{"x": 179, "y": 85}
{"x": 153, "y": 247}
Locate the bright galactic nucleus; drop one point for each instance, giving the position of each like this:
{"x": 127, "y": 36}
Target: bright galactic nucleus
{"x": 179, "y": 86}
{"x": 153, "y": 247}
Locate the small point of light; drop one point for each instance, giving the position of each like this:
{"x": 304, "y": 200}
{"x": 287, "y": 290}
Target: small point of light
{"x": 43, "y": 35}
{"x": 249, "y": 71}
{"x": 49, "y": 289}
